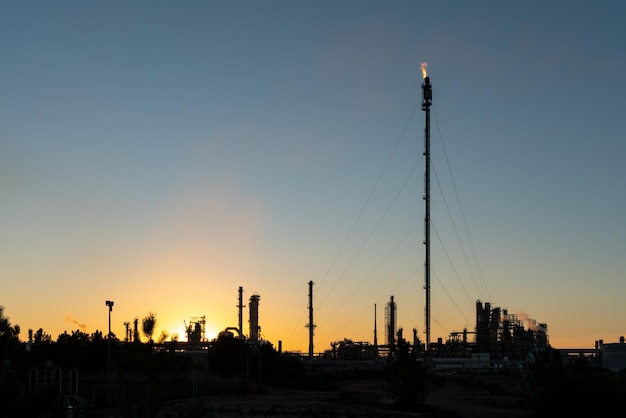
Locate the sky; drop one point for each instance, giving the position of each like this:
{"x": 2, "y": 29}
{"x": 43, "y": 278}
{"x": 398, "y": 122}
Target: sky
{"x": 162, "y": 154}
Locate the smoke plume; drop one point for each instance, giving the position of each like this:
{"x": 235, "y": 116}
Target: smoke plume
{"x": 71, "y": 320}
{"x": 530, "y": 323}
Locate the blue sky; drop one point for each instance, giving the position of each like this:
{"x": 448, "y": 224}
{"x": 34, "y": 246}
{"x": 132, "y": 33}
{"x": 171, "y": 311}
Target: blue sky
{"x": 162, "y": 154}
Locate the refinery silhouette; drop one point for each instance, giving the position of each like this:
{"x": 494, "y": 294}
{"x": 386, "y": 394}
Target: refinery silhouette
{"x": 80, "y": 374}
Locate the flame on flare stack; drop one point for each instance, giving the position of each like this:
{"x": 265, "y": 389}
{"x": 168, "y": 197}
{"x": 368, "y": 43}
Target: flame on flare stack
{"x": 427, "y": 92}
{"x": 424, "y": 65}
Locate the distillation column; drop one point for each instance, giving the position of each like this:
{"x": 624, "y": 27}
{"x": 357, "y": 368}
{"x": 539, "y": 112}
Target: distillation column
{"x": 254, "y": 318}
{"x": 390, "y": 324}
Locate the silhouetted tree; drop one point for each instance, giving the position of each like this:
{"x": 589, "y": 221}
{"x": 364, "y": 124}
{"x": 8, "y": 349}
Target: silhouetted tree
{"x": 148, "y": 325}
{"x": 227, "y": 355}
{"x": 97, "y": 336}
{"x": 41, "y": 348}
{"x": 42, "y": 337}
{"x": 163, "y": 337}
{"x": 8, "y": 339}
{"x": 407, "y": 378}
{"x": 75, "y": 349}
{"x": 573, "y": 389}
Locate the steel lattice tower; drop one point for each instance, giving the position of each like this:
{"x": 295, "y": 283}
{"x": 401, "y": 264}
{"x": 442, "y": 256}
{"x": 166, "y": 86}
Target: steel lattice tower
{"x": 427, "y": 97}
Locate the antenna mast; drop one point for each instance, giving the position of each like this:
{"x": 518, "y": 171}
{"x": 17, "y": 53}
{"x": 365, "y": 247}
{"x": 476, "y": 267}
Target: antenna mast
{"x": 427, "y": 98}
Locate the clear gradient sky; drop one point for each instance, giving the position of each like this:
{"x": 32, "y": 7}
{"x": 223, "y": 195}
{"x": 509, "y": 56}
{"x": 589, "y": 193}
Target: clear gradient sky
{"x": 161, "y": 154}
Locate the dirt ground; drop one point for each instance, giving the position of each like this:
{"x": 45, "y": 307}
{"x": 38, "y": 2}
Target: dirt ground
{"x": 357, "y": 398}
{"x": 364, "y": 398}
{"x": 477, "y": 402}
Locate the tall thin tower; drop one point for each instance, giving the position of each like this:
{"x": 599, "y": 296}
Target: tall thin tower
{"x": 427, "y": 98}
{"x": 240, "y": 307}
{"x": 375, "y": 333}
{"x": 311, "y": 325}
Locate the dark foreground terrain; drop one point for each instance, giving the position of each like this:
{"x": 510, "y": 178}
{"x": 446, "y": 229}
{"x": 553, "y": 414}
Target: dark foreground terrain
{"x": 469, "y": 396}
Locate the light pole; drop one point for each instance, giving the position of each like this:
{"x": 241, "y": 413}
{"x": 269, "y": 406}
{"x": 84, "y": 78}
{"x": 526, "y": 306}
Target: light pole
{"x": 109, "y": 303}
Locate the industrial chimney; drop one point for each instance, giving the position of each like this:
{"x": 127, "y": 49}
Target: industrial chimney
{"x": 254, "y": 318}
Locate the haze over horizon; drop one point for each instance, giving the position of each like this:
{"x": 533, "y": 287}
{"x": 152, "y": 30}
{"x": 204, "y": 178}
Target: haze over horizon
{"x": 162, "y": 154}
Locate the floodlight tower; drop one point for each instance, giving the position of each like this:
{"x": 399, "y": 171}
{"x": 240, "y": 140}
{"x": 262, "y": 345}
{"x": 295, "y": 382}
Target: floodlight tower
{"x": 110, "y": 303}
{"x": 427, "y": 98}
